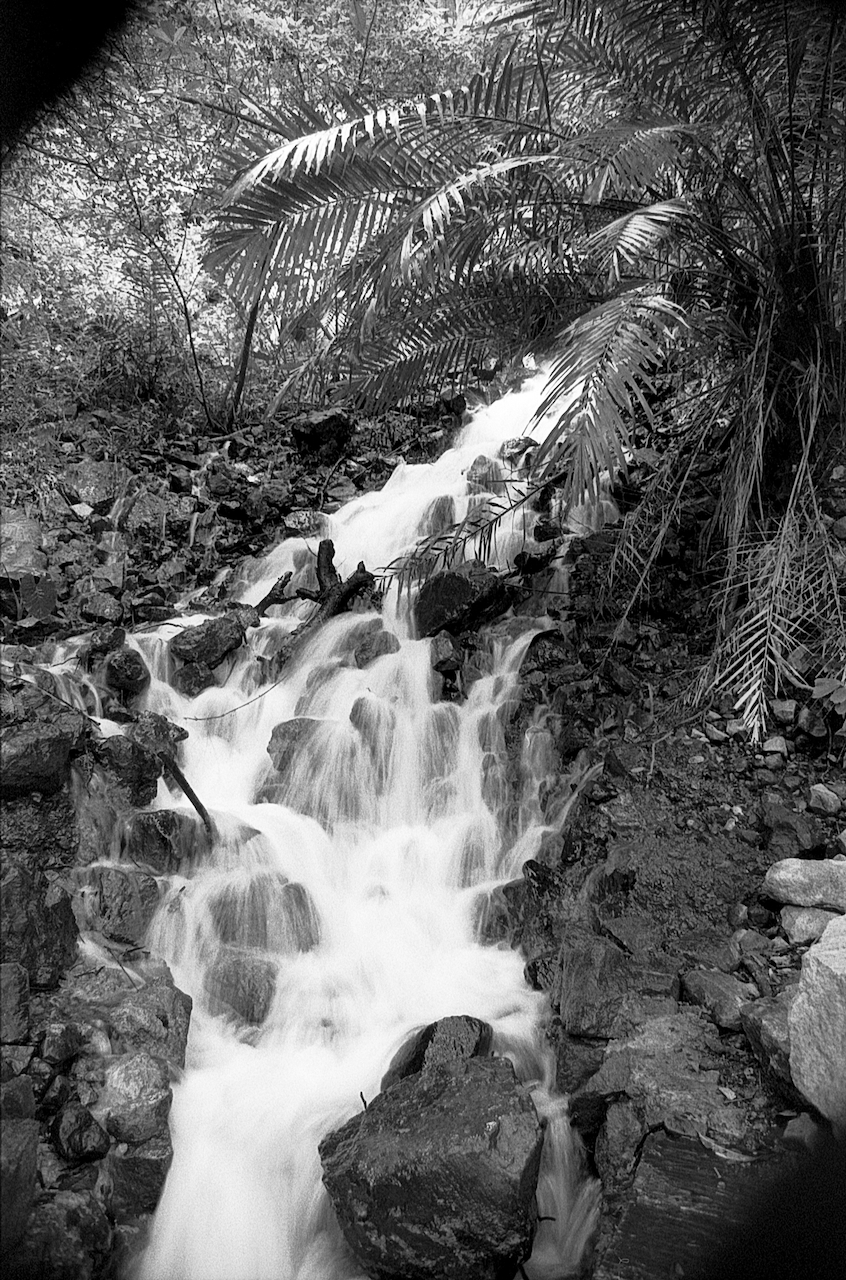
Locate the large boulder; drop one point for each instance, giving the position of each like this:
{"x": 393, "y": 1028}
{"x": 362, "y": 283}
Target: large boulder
{"x": 135, "y": 1101}
{"x": 208, "y": 643}
{"x": 127, "y": 764}
{"x": 288, "y": 738}
{"x": 14, "y": 1003}
{"x": 68, "y": 1238}
{"x": 125, "y": 671}
{"x": 459, "y": 598}
{"x": 37, "y": 738}
{"x": 267, "y": 911}
{"x": 38, "y": 929}
{"x": 240, "y": 985}
{"x": 21, "y": 539}
{"x": 138, "y": 1175}
{"x": 767, "y": 1028}
{"x": 436, "y": 1179}
{"x": 161, "y": 839}
{"x": 120, "y": 902}
{"x": 153, "y": 1019}
{"x": 817, "y": 1021}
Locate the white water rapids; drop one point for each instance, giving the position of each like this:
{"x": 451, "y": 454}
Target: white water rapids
{"x": 395, "y": 825}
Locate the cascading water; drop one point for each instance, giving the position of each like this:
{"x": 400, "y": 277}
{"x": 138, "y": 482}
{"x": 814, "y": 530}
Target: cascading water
{"x": 343, "y": 895}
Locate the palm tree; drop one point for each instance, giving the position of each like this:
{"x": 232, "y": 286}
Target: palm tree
{"x": 635, "y": 190}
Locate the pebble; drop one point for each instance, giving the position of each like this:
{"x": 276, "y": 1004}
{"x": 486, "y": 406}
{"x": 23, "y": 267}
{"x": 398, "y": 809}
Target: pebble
{"x": 776, "y": 745}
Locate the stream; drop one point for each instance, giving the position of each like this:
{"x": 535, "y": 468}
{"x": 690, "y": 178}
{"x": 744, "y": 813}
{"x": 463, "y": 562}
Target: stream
{"x": 354, "y": 883}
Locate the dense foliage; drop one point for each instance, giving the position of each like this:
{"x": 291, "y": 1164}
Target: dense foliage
{"x": 649, "y": 195}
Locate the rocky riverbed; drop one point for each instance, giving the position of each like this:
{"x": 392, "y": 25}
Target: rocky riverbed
{"x": 687, "y": 924}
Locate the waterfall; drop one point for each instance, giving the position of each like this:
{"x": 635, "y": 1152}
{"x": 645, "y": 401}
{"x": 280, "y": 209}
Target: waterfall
{"x": 342, "y": 894}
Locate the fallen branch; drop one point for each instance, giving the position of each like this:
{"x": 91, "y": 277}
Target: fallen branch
{"x": 178, "y": 776}
{"x": 276, "y": 594}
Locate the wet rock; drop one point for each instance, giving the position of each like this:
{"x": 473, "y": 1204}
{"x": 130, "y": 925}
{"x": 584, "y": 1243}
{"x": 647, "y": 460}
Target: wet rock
{"x": 138, "y": 1175}
{"x": 129, "y": 765}
{"x": 436, "y": 1179}
{"x": 77, "y": 1136}
{"x": 241, "y": 984}
{"x": 135, "y": 1099}
{"x": 37, "y": 926}
{"x": 153, "y": 1020}
{"x": 375, "y": 645}
{"x": 484, "y": 475}
{"x": 193, "y": 678}
{"x": 266, "y": 911}
{"x": 546, "y": 653}
{"x": 162, "y": 839}
{"x": 324, "y": 432}
{"x": 101, "y": 608}
{"x": 817, "y": 1021}
{"x": 62, "y": 1041}
{"x": 288, "y": 738}
{"x": 37, "y": 738}
{"x": 823, "y": 800}
{"x": 805, "y": 924}
{"x": 102, "y": 641}
{"x": 125, "y": 671}
{"x": 438, "y": 1044}
{"x": 445, "y": 654}
{"x": 14, "y": 1003}
{"x": 156, "y": 734}
{"x": 719, "y": 993}
{"x": 805, "y": 883}
{"x": 459, "y": 598}
{"x": 67, "y": 1239}
{"x": 765, "y": 1023}
{"x": 210, "y": 642}
{"x": 120, "y": 902}
{"x": 17, "y": 1099}
{"x": 18, "y": 1160}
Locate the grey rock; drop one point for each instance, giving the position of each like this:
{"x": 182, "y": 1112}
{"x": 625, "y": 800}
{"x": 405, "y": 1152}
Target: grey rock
{"x": 17, "y": 1099}
{"x": 62, "y": 1041}
{"x": 823, "y": 800}
{"x": 444, "y": 654}
{"x": 38, "y": 929}
{"x": 288, "y": 738}
{"x": 77, "y": 1136}
{"x": 153, "y": 1020}
{"x": 18, "y": 1162}
{"x": 210, "y": 642}
{"x": 37, "y": 738}
{"x": 436, "y": 1179}
{"x": 592, "y": 983}
{"x": 193, "y": 678}
{"x": 136, "y": 1096}
{"x": 162, "y": 839}
{"x": 618, "y": 1143}
{"x": 100, "y": 607}
{"x": 69, "y": 1238}
{"x": 722, "y": 995}
{"x": 14, "y": 1003}
{"x": 121, "y": 902}
{"x": 818, "y": 1026}
{"x": 448, "y": 1040}
{"x": 127, "y": 763}
{"x": 459, "y": 598}
{"x": 266, "y": 911}
{"x": 20, "y": 545}
{"x": 125, "y": 671}
{"x": 138, "y": 1175}
{"x": 807, "y": 883}
{"x": 375, "y": 645}
{"x": 767, "y": 1029}
{"x": 805, "y": 924}
{"x": 325, "y": 432}
{"x": 790, "y": 833}
{"x": 240, "y": 984}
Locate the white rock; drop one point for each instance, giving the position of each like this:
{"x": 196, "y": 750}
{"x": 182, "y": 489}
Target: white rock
{"x": 805, "y": 924}
{"x": 817, "y": 1021}
{"x": 805, "y": 882}
{"x": 841, "y": 841}
{"x": 775, "y": 746}
{"x": 823, "y": 800}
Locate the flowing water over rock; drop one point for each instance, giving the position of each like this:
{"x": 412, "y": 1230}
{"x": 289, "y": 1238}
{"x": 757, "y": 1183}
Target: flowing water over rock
{"x": 337, "y": 910}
